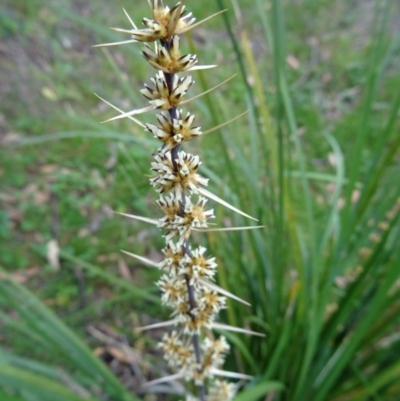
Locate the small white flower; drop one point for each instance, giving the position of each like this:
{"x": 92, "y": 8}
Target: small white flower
{"x": 173, "y": 290}
{"x": 196, "y": 266}
{"x": 221, "y": 391}
{"x": 169, "y": 59}
{"x": 173, "y": 258}
{"x": 160, "y": 96}
{"x": 178, "y": 177}
{"x": 194, "y": 216}
{"x": 214, "y": 352}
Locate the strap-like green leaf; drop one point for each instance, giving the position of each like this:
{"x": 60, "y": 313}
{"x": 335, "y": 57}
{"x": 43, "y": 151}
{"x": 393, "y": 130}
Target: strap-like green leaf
{"x": 45, "y": 389}
{"x": 259, "y": 390}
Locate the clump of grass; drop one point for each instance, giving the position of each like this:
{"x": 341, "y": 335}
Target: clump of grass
{"x": 187, "y": 287}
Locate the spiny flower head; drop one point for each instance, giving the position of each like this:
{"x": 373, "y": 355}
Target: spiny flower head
{"x": 179, "y": 176}
{"x": 196, "y": 266}
{"x": 171, "y": 207}
{"x": 170, "y": 343}
{"x": 182, "y": 356}
{"x": 165, "y": 23}
{"x": 178, "y": 354}
{"x": 184, "y": 284}
{"x": 174, "y": 133}
{"x": 181, "y": 218}
{"x": 197, "y": 375}
{"x": 213, "y": 357}
{"x": 209, "y": 303}
{"x": 173, "y": 20}
{"x": 184, "y": 126}
{"x": 168, "y": 58}
{"x": 160, "y": 97}
{"x": 214, "y": 352}
{"x": 173, "y": 290}
{"x": 173, "y": 256}
{"x": 194, "y": 216}
{"x": 163, "y": 132}
{"x": 221, "y": 391}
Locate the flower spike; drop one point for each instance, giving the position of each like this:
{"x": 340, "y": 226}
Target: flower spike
{"x": 187, "y": 272}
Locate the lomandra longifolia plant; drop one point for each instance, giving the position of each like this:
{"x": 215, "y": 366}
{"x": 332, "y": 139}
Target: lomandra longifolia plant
{"x": 192, "y": 350}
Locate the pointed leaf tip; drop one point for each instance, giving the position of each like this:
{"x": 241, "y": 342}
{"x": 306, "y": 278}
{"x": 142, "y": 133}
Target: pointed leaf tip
{"x": 224, "y": 203}
{"x": 140, "y": 218}
{"x": 141, "y": 259}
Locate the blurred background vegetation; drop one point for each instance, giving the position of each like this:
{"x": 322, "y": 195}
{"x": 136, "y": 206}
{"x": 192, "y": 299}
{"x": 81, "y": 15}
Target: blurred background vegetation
{"x": 316, "y": 159}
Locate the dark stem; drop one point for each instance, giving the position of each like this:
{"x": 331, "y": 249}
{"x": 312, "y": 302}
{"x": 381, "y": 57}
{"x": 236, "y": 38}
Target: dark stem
{"x": 196, "y": 338}
{"x": 173, "y": 114}
{"x": 169, "y": 78}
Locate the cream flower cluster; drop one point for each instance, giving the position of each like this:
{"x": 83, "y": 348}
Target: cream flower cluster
{"x": 186, "y": 284}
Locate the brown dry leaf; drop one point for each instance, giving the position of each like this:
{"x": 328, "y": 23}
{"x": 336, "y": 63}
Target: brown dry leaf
{"x": 98, "y": 178}
{"x": 109, "y": 331}
{"x": 107, "y": 210}
{"x": 15, "y": 214}
{"x": 105, "y": 292}
{"x": 116, "y": 353}
{"x": 103, "y": 258}
{"x": 20, "y": 279}
{"x": 355, "y": 196}
{"x": 22, "y": 276}
{"x": 313, "y": 41}
{"x": 7, "y": 198}
{"x": 111, "y": 162}
{"x": 30, "y": 188}
{"x": 99, "y": 351}
{"x": 53, "y": 254}
{"x": 42, "y": 197}
{"x": 10, "y": 138}
{"x": 293, "y": 62}
{"x": 124, "y": 270}
{"x": 120, "y": 355}
{"x": 48, "y": 168}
